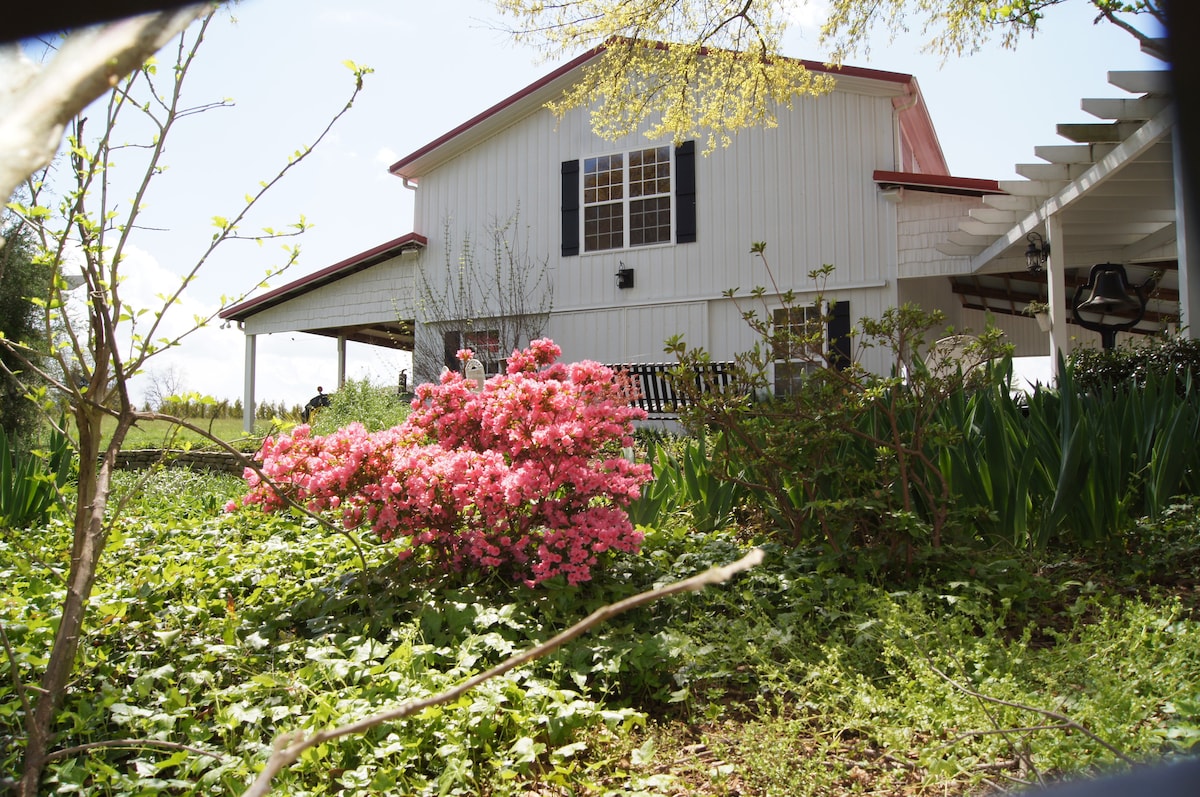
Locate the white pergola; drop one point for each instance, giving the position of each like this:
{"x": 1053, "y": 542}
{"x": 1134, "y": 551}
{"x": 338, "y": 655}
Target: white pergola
{"x": 1114, "y": 193}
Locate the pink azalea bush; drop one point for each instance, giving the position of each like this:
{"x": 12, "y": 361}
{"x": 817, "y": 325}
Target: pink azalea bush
{"x": 511, "y": 477}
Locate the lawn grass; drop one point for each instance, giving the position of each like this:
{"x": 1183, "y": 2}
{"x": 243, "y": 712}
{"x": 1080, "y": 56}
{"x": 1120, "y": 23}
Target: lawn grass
{"x": 161, "y": 434}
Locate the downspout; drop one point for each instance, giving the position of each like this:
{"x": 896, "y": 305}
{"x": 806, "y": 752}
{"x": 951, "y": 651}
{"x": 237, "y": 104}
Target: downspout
{"x": 897, "y": 135}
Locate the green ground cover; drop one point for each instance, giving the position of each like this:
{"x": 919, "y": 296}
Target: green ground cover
{"x": 218, "y": 632}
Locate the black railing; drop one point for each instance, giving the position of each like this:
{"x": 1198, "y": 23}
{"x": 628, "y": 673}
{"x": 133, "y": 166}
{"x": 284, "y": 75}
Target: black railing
{"x": 657, "y": 390}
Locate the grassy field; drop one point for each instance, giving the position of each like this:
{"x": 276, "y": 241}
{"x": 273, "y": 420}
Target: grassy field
{"x": 159, "y": 434}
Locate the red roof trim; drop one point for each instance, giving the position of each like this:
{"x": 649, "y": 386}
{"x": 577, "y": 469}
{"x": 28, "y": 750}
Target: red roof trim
{"x": 816, "y": 66}
{"x": 495, "y": 109}
{"x": 344, "y": 268}
{"x": 938, "y": 183}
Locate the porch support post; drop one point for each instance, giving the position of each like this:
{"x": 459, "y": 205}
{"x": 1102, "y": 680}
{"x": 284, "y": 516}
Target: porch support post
{"x": 341, "y": 366}
{"x": 1056, "y": 291}
{"x": 248, "y": 396}
{"x": 1187, "y": 238}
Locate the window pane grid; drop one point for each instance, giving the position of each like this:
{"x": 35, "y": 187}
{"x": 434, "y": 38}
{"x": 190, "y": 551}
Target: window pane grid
{"x": 637, "y": 197}
{"x": 603, "y": 179}
{"x": 603, "y": 227}
{"x": 650, "y": 221}
{"x": 798, "y": 347}
{"x": 650, "y": 172}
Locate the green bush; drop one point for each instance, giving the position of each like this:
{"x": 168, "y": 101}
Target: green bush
{"x": 1134, "y": 363}
{"x": 375, "y": 407}
{"x": 1061, "y": 469}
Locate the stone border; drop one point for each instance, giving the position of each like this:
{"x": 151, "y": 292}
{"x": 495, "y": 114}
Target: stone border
{"x": 139, "y": 459}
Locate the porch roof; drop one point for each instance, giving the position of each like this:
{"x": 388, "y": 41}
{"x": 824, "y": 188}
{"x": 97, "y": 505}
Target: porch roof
{"x": 409, "y": 242}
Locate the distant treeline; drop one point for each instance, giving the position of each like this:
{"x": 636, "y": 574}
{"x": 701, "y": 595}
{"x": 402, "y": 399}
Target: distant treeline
{"x": 206, "y": 407}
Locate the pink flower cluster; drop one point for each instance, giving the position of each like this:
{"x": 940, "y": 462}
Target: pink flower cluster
{"x": 510, "y": 477}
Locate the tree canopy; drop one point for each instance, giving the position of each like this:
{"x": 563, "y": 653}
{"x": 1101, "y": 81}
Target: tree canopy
{"x": 708, "y": 68}
{"x": 21, "y": 277}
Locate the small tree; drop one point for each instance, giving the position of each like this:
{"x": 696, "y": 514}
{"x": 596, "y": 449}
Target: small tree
{"x": 163, "y": 385}
{"x": 98, "y": 350}
{"x": 491, "y": 300}
{"x": 840, "y": 456}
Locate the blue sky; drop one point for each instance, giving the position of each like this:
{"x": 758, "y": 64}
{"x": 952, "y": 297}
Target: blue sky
{"x": 437, "y": 64}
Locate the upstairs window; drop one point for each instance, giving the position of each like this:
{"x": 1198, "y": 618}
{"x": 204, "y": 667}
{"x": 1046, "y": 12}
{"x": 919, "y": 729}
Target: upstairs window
{"x": 637, "y": 198}
{"x": 627, "y": 199}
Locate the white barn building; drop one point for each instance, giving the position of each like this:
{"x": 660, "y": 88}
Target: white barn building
{"x": 639, "y": 240}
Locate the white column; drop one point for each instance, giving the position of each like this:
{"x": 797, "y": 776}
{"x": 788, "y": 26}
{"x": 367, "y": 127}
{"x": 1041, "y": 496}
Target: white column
{"x": 248, "y": 397}
{"x": 341, "y": 349}
{"x": 1187, "y": 238}
{"x": 1056, "y": 291}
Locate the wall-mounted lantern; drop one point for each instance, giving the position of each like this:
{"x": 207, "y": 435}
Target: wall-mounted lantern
{"x": 624, "y": 277}
{"x": 1037, "y": 253}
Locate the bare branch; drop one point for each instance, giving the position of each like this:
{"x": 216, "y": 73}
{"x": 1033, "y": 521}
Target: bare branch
{"x": 35, "y": 105}
{"x": 134, "y": 744}
{"x": 1065, "y": 722}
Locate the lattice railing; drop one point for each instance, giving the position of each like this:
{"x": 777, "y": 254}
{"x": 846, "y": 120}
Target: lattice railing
{"x": 657, "y": 393}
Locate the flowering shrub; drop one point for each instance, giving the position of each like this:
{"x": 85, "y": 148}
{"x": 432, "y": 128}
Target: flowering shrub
{"x": 510, "y": 477}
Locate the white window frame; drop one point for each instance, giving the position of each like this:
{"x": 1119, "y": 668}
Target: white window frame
{"x": 784, "y": 383}
{"x": 485, "y": 345}
{"x": 626, "y": 200}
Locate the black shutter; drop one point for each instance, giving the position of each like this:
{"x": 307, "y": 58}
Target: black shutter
{"x": 451, "y": 343}
{"x": 570, "y": 208}
{"x": 839, "y": 335}
{"x": 685, "y": 193}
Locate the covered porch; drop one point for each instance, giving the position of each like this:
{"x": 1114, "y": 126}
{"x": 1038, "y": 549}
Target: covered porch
{"x": 1112, "y": 192}
{"x": 368, "y": 298}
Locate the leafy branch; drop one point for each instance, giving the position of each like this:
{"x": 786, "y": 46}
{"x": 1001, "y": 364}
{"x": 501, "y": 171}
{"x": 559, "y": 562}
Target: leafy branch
{"x": 1061, "y": 721}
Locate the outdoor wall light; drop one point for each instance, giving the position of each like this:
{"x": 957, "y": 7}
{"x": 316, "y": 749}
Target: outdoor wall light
{"x": 1111, "y": 294}
{"x": 624, "y": 277}
{"x": 1037, "y": 253}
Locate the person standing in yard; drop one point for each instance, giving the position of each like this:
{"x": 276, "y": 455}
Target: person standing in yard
{"x": 317, "y": 401}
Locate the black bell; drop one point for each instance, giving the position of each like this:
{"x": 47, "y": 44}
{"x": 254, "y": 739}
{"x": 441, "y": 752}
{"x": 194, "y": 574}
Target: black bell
{"x": 1110, "y": 293}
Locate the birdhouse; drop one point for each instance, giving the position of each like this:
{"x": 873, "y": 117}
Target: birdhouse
{"x": 474, "y": 373}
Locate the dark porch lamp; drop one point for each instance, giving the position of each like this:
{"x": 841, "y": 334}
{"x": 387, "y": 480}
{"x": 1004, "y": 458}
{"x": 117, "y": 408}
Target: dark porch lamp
{"x": 1110, "y": 294}
{"x": 1037, "y": 253}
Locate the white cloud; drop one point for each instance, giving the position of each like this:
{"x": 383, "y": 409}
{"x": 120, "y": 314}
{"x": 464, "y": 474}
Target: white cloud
{"x": 808, "y": 15}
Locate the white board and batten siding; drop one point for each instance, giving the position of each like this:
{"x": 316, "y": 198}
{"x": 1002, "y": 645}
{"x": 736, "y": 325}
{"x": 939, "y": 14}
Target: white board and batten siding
{"x": 628, "y": 334}
{"x": 382, "y": 293}
{"x": 805, "y": 188}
